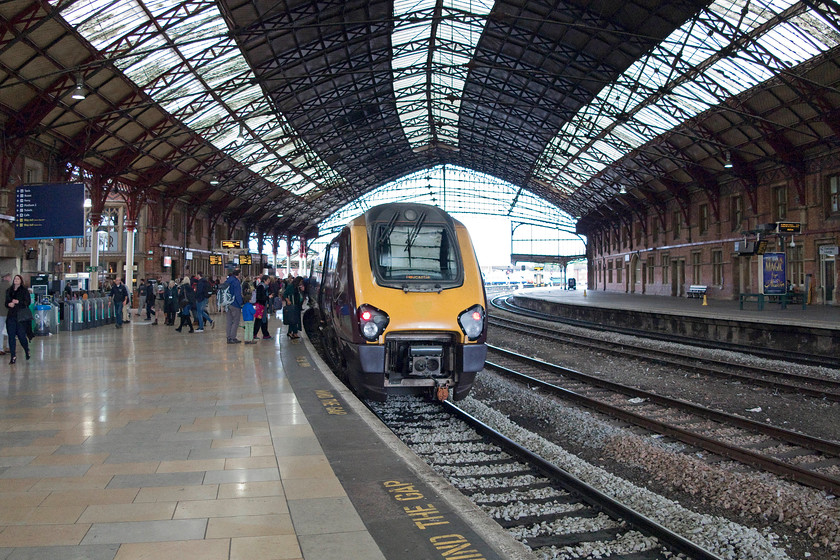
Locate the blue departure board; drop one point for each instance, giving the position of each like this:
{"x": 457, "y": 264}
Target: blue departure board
{"x": 50, "y": 211}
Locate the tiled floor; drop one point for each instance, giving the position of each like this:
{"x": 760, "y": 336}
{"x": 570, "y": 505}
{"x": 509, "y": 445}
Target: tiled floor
{"x": 145, "y": 443}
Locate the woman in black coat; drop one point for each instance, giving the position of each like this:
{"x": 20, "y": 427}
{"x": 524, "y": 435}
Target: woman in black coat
{"x": 17, "y": 298}
{"x": 170, "y": 302}
{"x": 186, "y": 301}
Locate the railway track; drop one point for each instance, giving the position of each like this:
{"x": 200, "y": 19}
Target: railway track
{"x": 543, "y": 506}
{"x": 502, "y": 303}
{"x": 775, "y": 379}
{"x": 805, "y": 459}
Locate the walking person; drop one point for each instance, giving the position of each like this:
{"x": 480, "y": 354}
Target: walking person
{"x": 160, "y": 300}
{"x": 293, "y": 297}
{"x": 150, "y": 301}
{"x": 119, "y": 294}
{"x": 248, "y": 314}
{"x": 141, "y": 292}
{"x": 17, "y": 302}
{"x": 261, "y": 318}
{"x": 5, "y": 284}
{"x": 170, "y": 302}
{"x": 234, "y": 309}
{"x": 186, "y": 301}
{"x": 202, "y": 293}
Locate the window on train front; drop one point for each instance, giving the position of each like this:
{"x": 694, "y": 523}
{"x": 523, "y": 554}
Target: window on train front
{"x": 408, "y": 255}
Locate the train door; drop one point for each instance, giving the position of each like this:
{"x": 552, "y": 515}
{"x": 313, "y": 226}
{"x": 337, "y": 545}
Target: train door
{"x": 827, "y": 272}
{"x": 342, "y": 304}
{"x": 327, "y": 281}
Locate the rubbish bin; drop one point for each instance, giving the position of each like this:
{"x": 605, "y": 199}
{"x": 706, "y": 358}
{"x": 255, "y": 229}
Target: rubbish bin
{"x": 43, "y": 319}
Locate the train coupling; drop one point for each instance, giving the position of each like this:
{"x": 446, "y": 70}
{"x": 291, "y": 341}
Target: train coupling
{"x": 442, "y": 392}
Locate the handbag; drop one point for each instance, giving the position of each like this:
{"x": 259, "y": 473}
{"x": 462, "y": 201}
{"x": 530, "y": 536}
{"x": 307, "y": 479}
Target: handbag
{"x": 24, "y": 314}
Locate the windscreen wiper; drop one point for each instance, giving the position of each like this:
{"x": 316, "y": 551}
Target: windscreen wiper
{"x": 415, "y": 232}
{"x": 385, "y": 233}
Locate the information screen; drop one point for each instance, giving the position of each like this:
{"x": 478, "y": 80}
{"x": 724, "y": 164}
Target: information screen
{"x": 50, "y": 210}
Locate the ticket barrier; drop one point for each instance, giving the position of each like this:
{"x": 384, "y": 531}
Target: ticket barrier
{"x": 90, "y": 313}
{"x": 69, "y": 313}
{"x": 84, "y": 314}
{"x": 55, "y": 316}
{"x": 96, "y": 310}
{"x": 80, "y": 323}
{"x": 109, "y": 310}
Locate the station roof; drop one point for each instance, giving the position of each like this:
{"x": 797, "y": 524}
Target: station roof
{"x": 277, "y": 113}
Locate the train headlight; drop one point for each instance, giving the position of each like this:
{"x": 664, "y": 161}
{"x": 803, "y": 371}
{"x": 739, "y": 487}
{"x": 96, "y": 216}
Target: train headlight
{"x": 472, "y": 321}
{"x": 372, "y": 321}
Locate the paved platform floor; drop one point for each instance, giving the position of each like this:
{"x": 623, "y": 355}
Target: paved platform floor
{"x": 824, "y": 316}
{"x": 145, "y": 443}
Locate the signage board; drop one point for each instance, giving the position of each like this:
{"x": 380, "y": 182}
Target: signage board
{"x": 745, "y": 247}
{"x": 245, "y": 259}
{"x": 789, "y": 227}
{"x": 167, "y": 261}
{"x": 50, "y": 211}
{"x": 829, "y": 250}
{"x": 189, "y": 255}
{"x": 215, "y": 259}
{"x": 231, "y": 244}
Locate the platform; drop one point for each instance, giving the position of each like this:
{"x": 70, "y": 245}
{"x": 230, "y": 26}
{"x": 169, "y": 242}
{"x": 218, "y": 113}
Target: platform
{"x": 148, "y": 443}
{"x": 814, "y": 329}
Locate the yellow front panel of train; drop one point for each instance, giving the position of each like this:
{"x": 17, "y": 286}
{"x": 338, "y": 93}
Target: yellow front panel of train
{"x": 414, "y": 311}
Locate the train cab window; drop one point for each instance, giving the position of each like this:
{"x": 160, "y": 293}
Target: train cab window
{"x": 424, "y": 253}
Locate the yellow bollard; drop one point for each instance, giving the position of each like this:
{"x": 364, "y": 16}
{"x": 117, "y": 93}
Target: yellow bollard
{"x": 584, "y": 293}
{"x": 704, "y": 300}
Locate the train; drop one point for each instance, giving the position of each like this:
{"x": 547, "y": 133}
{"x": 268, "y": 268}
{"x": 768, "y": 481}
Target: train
{"x": 398, "y": 301}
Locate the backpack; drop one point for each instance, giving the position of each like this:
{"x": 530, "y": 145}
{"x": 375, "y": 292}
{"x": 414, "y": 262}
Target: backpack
{"x": 224, "y": 297}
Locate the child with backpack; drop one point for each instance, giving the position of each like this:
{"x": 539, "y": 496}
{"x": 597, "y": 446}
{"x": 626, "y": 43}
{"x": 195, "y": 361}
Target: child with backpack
{"x": 248, "y": 313}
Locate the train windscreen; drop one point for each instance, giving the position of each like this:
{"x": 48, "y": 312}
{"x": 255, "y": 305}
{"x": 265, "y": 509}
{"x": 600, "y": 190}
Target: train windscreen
{"x": 416, "y": 256}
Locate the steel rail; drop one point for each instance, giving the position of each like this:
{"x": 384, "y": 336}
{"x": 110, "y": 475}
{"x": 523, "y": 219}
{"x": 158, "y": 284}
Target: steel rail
{"x": 587, "y": 493}
{"x": 763, "y": 462}
{"x": 708, "y": 366}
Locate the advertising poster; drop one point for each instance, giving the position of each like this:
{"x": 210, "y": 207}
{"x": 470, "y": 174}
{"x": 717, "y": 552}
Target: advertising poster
{"x": 773, "y": 266}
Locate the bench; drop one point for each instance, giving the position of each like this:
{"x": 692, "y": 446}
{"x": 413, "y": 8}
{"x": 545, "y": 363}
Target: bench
{"x": 696, "y": 291}
{"x": 749, "y": 297}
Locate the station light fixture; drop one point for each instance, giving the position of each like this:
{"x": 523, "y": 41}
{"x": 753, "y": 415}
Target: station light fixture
{"x": 728, "y": 163}
{"x": 79, "y": 92}
{"x": 622, "y": 190}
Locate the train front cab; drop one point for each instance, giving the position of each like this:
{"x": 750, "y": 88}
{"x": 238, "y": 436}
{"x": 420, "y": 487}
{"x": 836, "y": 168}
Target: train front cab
{"x": 405, "y": 329}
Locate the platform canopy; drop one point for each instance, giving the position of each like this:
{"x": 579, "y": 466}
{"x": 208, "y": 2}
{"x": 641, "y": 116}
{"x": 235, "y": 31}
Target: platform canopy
{"x": 277, "y": 113}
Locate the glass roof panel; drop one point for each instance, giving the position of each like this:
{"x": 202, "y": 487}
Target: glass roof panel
{"x": 456, "y": 35}
{"x": 671, "y": 68}
{"x": 187, "y": 37}
{"x": 457, "y": 191}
